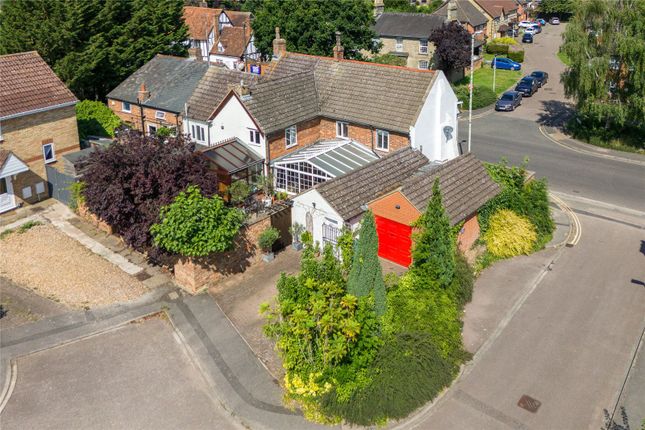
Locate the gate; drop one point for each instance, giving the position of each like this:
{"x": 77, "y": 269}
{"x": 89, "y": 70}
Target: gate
{"x": 281, "y": 219}
{"x": 59, "y": 184}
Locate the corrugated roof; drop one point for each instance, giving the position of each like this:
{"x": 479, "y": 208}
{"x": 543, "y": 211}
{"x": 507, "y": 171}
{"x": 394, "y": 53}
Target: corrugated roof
{"x": 27, "y": 83}
{"x": 383, "y": 96}
{"x": 407, "y": 25}
{"x": 466, "y": 12}
{"x": 464, "y": 183}
{"x": 336, "y": 157}
{"x": 170, "y": 80}
{"x": 346, "y": 194}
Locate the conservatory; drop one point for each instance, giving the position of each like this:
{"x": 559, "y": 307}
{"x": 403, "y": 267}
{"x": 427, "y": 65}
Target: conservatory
{"x": 307, "y": 167}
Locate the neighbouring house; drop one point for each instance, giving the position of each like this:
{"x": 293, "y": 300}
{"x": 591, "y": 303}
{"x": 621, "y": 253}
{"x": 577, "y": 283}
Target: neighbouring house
{"x": 336, "y": 105}
{"x": 397, "y": 189}
{"x": 504, "y": 15}
{"x": 155, "y": 96}
{"x": 465, "y": 13}
{"x": 406, "y": 35}
{"x": 37, "y": 126}
{"x": 220, "y": 36}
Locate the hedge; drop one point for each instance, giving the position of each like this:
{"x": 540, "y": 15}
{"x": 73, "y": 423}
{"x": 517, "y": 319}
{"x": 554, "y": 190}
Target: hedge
{"x": 482, "y": 96}
{"x": 494, "y": 48}
{"x": 95, "y": 119}
{"x": 516, "y": 56}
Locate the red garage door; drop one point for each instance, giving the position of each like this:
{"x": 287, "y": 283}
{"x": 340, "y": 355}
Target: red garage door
{"x": 394, "y": 241}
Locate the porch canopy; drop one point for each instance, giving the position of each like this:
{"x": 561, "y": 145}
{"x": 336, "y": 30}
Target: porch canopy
{"x": 324, "y": 160}
{"x": 233, "y": 160}
{"x": 10, "y": 164}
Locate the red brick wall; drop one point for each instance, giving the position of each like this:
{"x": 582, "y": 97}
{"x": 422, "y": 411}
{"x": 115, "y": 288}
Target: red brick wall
{"x": 468, "y": 234}
{"x": 308, "y": 133}
{"x": 134, "y": 117}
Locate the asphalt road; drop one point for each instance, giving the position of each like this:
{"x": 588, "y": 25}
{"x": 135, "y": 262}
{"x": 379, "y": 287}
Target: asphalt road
{"x": 516, "y": 135}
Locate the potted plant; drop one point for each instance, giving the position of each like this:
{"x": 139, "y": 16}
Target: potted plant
{"x": 266, "y": 240}
{"x": 296, "y": 230}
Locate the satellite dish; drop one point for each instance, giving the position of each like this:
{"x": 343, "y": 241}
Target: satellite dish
{"x": 447, "y": 131}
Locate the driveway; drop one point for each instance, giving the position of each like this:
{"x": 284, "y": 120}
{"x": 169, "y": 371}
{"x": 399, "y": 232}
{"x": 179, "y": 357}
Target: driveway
{"x": 137, "y": 376}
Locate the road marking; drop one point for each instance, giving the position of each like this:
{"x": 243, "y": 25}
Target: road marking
{"x": 586, "y": 152}
{"x": 598, "y": 203}
{"x": 12, "y": 373}
{"x": 574, "y": 234}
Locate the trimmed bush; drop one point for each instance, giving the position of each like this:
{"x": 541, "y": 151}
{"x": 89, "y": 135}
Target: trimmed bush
{"x": 509, "y": 234}
{"x": 267, "y": 238}
{"x": 482, "y": 96}
{"x": 407, "y": 372}
{"x": 494, "y": 48}
{"x": 463, "y": 282}
{"x": 95, "y": 119}
{"x": 516, "y": 56}
{"x": 505, "y": 41}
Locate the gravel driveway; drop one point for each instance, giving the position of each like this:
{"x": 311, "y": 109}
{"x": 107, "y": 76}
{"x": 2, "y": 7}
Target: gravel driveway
{"x": 57, "y": 267}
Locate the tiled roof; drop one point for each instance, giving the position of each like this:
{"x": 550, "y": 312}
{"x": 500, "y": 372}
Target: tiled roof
{"x": 27, "y": 83}
{"x": 407, "y": 25}
{"x": 239, "y": 19}
{"x": 464, "y": 183}
{"x": 211, "y": 90}
{"x": 200, "y": 21}
{"x": 383, "y": 96}
{"x": 346, "y": 194}
{"x": 278, "y": 103}
{"x": 466, "y": 12}
{"x": 495, "y": 7}
{"x": 233, "y": 42}
{"x": 170, "y": 80}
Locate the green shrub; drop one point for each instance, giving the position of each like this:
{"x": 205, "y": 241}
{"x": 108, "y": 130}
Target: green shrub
{"x": 516, "y": 56}
{"x": 509, "y": 234}
{"x": 390, "y": 59}
{"x": 463, "y": 282}
{"x": 267, "y": 238}
{"x": 77, "y": 198}
{"x": 166, "y": 132}
{"x": 239, "y": 191}
{"x": 505, "y": 41}
{"x": 494, "y": 48}
{"x": 407, "y": 372}
{"x": 482, "y": 96}
{"x": 95, "y": 119}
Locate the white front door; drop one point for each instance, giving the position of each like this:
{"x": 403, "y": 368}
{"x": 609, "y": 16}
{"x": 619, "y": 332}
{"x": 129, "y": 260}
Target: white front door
{"x": 7, "y": 199}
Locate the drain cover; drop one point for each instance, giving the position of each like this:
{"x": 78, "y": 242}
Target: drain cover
{"x": 529, "y": 403}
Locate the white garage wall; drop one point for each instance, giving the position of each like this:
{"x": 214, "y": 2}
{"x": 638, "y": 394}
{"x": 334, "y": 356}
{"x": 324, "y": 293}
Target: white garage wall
{"x": 321, "y": 213}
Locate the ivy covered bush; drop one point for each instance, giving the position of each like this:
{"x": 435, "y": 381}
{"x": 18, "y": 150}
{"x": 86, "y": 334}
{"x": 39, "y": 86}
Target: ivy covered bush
{"x": 96, "y": 119}
{"x": 509, "y": 234}
{"x": 348, "y": 358}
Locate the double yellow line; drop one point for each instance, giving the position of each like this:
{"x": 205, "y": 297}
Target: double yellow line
{"x": 576, "y": 228}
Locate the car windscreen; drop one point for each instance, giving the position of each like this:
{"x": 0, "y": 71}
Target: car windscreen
{"x": 507, "y": 97}
{"x": 537, "y": 74}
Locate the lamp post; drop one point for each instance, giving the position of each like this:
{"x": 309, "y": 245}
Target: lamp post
{"x": 470, "y": 97}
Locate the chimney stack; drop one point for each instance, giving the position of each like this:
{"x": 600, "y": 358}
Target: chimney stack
{"x": 203, "y": 4}
{"x": 195, "y": 53}
{"x": 143, "y": 94}
{"x": 379, "y": 8}
{"x": 452, "y": 11}
{"x": 339, "y": 51}
{"x": 243, "y": 90}
{"x": 279, "y": 45}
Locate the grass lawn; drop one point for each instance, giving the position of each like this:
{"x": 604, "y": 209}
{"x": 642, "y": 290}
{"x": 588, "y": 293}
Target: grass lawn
{"x": 483, "y": 77}
{"x": 564, "y": 58}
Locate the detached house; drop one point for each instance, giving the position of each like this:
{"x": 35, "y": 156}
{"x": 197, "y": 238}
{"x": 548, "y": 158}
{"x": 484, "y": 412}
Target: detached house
{"x": 155, "y": 96}
{"x": 465, "y": 13}
{"x": 503, "y": 15}
{"x": 406, "y": 35}
{"x": 220, "y": 36}
{"x": 315, "y": 118}
{"x": 37, "y": 126}
{"x": 397, "y": 189}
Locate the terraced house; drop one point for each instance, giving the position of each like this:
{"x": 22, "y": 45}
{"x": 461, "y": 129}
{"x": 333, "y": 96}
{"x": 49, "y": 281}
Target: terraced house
{"x": 37, "y": 126}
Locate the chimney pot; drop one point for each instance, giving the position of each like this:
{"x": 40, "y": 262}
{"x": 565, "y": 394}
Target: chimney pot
{"x": 279, "y": 45}
{"x": 339, "y": 51}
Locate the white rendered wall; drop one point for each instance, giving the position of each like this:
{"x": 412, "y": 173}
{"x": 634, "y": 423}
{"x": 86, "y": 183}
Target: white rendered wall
{"x": 234, "y": 121}
{"x": 321, "y": 213}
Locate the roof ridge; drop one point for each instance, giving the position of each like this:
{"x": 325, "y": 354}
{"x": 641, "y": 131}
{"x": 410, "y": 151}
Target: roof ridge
{"x": 21, "y": 53}
{"x": 369, "y": 63}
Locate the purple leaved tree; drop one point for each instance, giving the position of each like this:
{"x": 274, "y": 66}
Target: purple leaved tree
{"x": 452, "y": 46}
{"x": 127, "y": 184}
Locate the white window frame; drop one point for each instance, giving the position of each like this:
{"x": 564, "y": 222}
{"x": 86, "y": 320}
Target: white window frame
{"x": 382, "y": 140}
{"x": 254, "y": 136}
{"x": 342, "y": 129}
{"x": 423, "y": 49}
{"x": 399, "y": 44}
{"x": 160, "y": 114}
{"x": 152, "y": 126}
{"x": 291, "y": 136}
{"x": 128, "y": 109}
{"x": 198, "y": 133}
{"x": 424, "y": 65}
{"x": 53, "y": 157}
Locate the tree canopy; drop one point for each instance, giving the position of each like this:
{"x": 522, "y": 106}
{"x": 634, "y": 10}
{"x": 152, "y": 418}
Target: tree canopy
{"x": 605, "y": 42}
{"x": 196, "y": 226}
{"x": 93, "y": 45}
{"x": 96, "y": 119}
{"x": 127, "y": 184}
{"x": 309, "y": 26}
{"x": 556, "y": 7}
{"x": 452, "y": 43}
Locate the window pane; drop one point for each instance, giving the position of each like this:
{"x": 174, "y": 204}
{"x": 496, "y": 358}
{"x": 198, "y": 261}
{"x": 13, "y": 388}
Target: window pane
{"x": 48, "y": 151}
{"x": 3, "y": 185}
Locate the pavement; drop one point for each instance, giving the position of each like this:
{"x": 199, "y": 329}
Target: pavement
{"x": 21, "y": 306}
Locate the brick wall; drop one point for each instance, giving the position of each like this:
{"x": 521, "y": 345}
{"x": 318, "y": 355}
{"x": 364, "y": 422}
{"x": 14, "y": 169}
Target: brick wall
{"x": 134, "y": 117}
{"x": 25, "y": 136}
{"x": 308, "y": 133}
{"x": 468, "y": 234}
{"x": 29, "y": 179}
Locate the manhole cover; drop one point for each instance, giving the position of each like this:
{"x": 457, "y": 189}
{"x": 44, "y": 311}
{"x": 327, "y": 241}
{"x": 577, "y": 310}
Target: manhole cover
{"x": 529, "y": 403}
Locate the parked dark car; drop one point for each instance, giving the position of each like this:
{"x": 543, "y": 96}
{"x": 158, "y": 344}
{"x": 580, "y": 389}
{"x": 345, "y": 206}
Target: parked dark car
{"x": 527, "y": 86}
{"x": 542, "y": 77}
{"x": 554, "y": 21}
{"x": 502, "y": 63}
{"x": 527, "y": 38}
{"x": 509, "y": 101}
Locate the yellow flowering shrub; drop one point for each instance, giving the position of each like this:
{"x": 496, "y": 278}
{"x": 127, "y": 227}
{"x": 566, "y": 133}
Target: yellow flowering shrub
{"x": 509, "y": 234}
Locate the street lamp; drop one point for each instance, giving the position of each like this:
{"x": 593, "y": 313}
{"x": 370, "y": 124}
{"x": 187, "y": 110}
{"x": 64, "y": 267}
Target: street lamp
{"x": 470, "y": 101}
